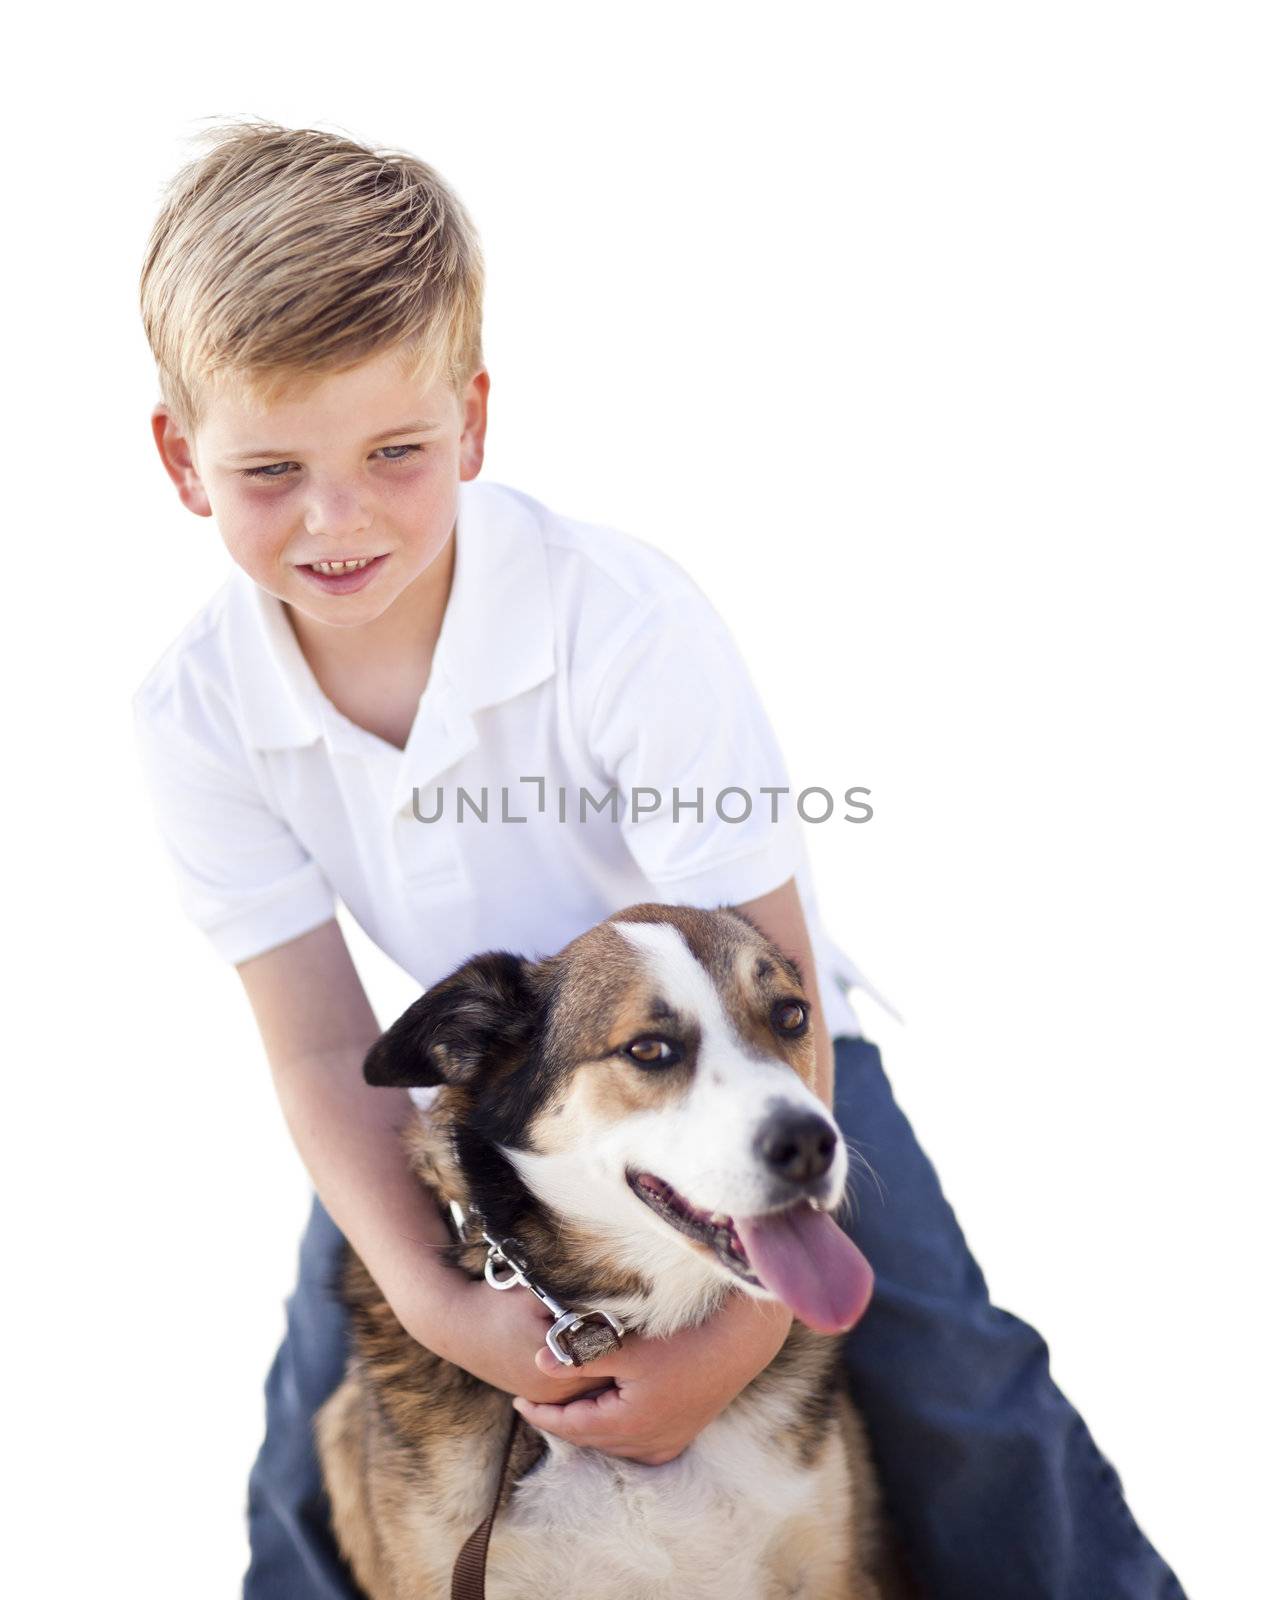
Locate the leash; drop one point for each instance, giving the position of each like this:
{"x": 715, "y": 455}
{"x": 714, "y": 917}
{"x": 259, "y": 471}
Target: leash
{"x": 575, "y": 1338}
{"x": 472, "y": 1561}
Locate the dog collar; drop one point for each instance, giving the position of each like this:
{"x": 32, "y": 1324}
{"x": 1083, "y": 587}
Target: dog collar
{"x": 575, "y": 1337}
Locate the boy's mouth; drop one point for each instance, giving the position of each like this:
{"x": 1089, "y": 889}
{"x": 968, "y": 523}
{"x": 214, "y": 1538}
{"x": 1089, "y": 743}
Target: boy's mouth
{"x": 344, "y": 575}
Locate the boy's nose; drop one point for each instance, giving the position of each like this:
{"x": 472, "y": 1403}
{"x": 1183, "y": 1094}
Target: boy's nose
{"x": 334, "y": 511}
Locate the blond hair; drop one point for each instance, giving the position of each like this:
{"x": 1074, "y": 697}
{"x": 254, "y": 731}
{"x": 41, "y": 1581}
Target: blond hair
{"x": 284, "y": 254}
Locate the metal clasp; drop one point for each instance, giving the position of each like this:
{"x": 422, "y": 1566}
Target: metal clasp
{"x": 502, "y": 1254}
{"x": 569, "y": 1322}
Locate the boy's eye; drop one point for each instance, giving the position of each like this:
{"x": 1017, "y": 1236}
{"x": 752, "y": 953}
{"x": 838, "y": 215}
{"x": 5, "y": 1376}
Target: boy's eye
{"x": 281, "y": 469}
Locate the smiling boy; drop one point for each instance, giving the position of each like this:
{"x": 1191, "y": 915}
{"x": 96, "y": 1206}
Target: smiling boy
{"x": 382, "y": 453}
{"x": 314, "y": 309}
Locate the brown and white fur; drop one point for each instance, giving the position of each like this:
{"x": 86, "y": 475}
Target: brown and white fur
{"x": 538, "y": 1118}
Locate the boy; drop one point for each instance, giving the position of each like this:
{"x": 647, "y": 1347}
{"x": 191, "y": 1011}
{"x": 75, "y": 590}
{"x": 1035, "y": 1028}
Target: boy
{"x": 396, "y": 633}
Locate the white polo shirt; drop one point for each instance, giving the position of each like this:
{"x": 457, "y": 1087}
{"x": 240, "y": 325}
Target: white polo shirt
{"x": 580, "y": 679}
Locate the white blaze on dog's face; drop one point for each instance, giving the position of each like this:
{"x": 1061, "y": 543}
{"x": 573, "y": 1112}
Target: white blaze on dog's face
{"x": 682, "y": 1117}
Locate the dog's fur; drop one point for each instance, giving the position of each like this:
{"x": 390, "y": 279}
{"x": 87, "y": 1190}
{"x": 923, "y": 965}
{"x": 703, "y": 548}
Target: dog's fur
{"x": 538, "y": 1117}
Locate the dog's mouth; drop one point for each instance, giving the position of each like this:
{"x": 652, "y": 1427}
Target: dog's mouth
{"x": 798, "y": 1254}
{"x": 706, "y": 1228}
{"x": 710, "y": 1228}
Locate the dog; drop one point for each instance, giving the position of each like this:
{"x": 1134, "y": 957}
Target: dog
{"x": 638, "y": 1113}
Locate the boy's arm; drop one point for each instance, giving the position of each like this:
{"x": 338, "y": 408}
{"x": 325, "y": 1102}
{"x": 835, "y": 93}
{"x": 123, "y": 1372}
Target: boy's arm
{"x": 245, "y": 879}
{"x": 316, "y": 1026}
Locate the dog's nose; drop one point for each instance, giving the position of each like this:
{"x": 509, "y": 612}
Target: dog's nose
{"x": 797, "y": 1145}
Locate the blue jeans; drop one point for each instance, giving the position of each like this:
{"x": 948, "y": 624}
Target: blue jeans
{"x": 989, "y": 1474}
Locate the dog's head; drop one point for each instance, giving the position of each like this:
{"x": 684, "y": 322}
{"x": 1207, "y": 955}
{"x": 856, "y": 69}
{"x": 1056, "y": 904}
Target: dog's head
{"x": 643, "y": 1098}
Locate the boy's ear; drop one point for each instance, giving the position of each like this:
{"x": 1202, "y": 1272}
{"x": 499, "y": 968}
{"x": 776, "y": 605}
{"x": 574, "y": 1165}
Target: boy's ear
{"x": 477, "y": 1017}
{"x": 474, "y": 425}
{"x": 179, "y": 461}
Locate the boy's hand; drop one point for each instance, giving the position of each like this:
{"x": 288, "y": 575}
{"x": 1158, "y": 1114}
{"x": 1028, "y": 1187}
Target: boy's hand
{"x": 496, "y": 1336}
{"x": 665, "y": 1390}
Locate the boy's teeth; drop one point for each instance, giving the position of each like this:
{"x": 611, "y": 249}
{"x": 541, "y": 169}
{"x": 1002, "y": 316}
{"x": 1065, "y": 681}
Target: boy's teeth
{"x": 331, "y": 567}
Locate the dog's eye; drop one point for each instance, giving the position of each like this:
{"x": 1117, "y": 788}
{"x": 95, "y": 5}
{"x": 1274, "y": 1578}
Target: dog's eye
{"x": 790, "y": 1017}
{"x": 651, "y": 1052}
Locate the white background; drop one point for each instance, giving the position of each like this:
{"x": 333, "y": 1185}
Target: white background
{"x": 938, "y": 343}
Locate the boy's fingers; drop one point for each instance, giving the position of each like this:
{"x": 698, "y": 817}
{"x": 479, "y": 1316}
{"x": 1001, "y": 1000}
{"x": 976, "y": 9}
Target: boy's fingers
{"x": 546, "y": 1361}
{"x": 577, "y": 1421}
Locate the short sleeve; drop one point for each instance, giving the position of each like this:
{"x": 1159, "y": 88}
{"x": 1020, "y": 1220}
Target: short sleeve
{"x": 676, "y": 710}
{"x": 242, "y": 876}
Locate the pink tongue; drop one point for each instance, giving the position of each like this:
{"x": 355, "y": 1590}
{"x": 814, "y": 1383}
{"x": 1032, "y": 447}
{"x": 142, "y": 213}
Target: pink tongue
{"x": 808, "y": 1262}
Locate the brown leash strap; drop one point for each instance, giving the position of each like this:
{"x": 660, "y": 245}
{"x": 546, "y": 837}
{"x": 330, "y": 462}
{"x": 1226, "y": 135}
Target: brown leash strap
{"x": 584, "y": 1344}
{"x": 581, "y": 1336}
{"x": 468, "y": 1571}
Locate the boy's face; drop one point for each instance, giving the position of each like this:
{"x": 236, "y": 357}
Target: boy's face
{"x": 363, "y": 466}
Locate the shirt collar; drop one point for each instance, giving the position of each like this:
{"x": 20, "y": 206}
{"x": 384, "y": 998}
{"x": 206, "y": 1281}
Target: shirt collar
{"x": 497, "y": 640}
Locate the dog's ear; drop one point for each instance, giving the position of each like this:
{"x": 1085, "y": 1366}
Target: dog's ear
{"x": 481, "y": 1014}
